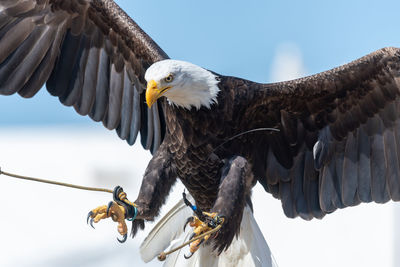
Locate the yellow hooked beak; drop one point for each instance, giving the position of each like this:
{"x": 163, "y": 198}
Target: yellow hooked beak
{"x": 153, "y": 92}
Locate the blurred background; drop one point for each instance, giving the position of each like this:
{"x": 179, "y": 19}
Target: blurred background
{"x": 264, "y": 41}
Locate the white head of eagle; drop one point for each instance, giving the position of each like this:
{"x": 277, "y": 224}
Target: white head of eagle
{"x": 184, "y": 84}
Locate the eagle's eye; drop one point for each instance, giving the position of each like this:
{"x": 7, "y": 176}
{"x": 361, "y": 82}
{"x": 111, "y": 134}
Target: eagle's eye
{"x": 169, "y": 78}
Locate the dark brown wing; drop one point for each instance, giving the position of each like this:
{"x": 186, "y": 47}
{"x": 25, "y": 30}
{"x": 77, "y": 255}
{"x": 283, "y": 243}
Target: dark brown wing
{"x": 339, "y": 139}
{"x": 90, "y": 54}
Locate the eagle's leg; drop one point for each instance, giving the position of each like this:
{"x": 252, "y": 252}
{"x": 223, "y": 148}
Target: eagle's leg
{"x": 234, "y": 190}
{"x": 157, "y": 182}
{"x": 234, "y": 193}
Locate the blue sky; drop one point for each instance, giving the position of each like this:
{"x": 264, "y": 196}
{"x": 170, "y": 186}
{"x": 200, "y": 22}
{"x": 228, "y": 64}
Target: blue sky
{"x": 240, "y": 38}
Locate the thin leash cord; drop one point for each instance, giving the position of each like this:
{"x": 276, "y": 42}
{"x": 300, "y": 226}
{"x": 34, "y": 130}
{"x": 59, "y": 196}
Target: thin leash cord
{"x": 246, "y": 132}
{"x": 55, "y": 183}
{"x": 162, "y": 256}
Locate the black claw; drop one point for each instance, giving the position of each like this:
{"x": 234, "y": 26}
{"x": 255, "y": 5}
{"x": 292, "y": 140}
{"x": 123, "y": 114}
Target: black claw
{"x": 201, "y": 242}
{"x": 193, "y": 235}
{"x": 88, "y": 216}
{"x": 123, "y": 238}
{"x": 188, "y": 220}
{"x": 188, "y": 257}
{"x": 91, "y": 223}
{"x": 110, "y": 204}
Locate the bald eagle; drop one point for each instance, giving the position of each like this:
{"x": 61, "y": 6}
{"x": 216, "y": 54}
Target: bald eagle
{"x": 336, "y": 134}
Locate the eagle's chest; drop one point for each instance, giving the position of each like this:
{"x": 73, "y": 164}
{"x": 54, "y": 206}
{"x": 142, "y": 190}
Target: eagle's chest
{"x": 194, "y": 135}
{"x": 196, "y": 165}
{"x": 193, "y": 156}
{"x": 200, "y": 174}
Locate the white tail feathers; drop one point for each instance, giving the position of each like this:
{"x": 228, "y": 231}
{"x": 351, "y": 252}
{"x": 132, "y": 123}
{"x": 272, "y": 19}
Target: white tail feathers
{"x": 248, "y": 249}
{"x": 169, "y": 228}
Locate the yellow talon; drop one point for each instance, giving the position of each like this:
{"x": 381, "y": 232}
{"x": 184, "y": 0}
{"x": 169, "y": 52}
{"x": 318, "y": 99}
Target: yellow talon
{"x": 113, "y": 210}
{"x": 119, "y": 210}
{"x": 200, "y": 227}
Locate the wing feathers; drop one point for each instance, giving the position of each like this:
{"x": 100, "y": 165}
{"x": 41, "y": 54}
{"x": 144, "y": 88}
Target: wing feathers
{"x": 136, "y": 116}
{"x": 287, "y": 199}
{"x": 297, "y": 178}
{"x": 347, "y": 131}
{"x": 21, "y": 75}
{"x": 391, "y": 157}
{"x": 89, "y": 53}
{"x": 311, "y": 186}
{"x": 43, "y": 72}
{"x": 74, "y": 89}
{"x": 350, "y": 171}
{"x": 63, "y": 74}
{"x": 327, "y": 192}
{"x": 157, "y": 129}
{"x": 14, "y": 75}
{"x": 112, "y": 118}
{"x": 126, "y": 109}
{"x": 101, "y": 94}
{"x": 378, "y": 168}
{"x": 13, "y": 35}
{"x": 78, "y": 23}
{"x": 338, "y": 178}
{"x": 364, "y": 167}
{"x": 150, "y": 129}
{"x": 14, "y": 8}
{"x": 275, "y": 171}
{"x": 84, "y": 98}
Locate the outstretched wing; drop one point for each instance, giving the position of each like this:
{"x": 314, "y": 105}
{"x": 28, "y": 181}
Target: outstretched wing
{"x": 339, "y": 139}
{"x": 90, "y": 54}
